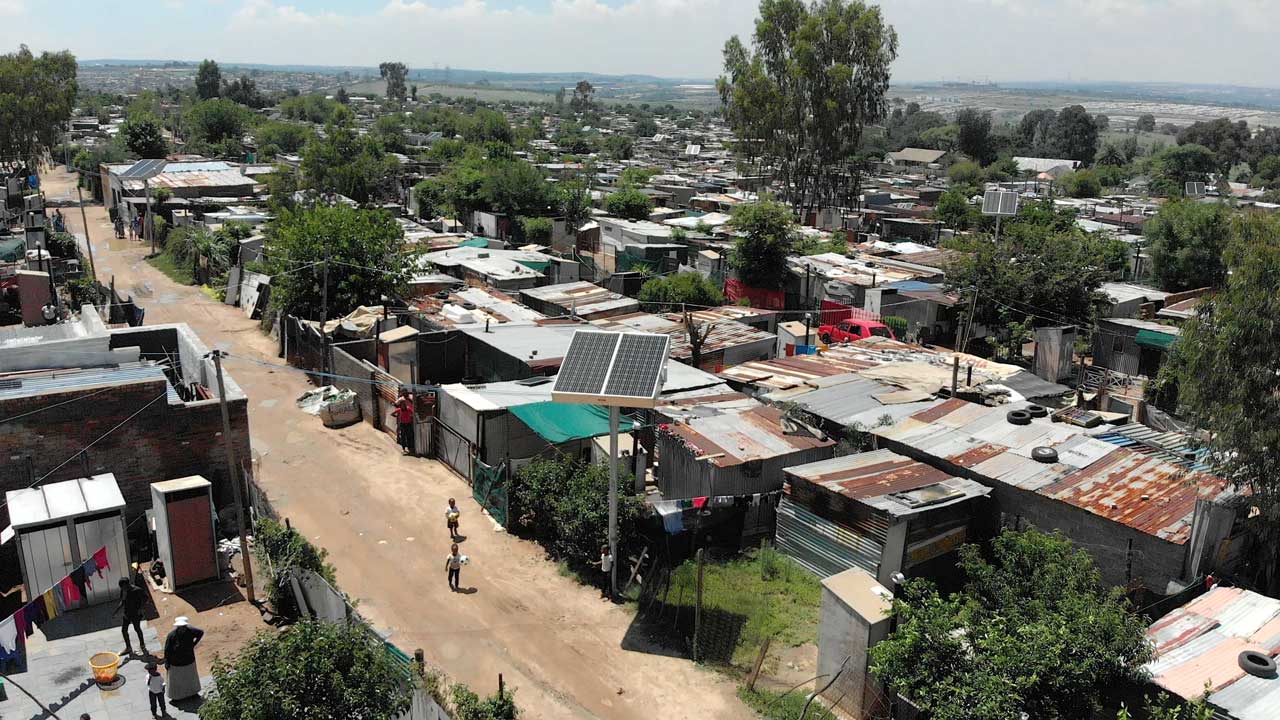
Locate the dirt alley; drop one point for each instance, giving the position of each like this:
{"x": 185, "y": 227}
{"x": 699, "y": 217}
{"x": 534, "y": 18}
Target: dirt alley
{"x": 381, "y": 517}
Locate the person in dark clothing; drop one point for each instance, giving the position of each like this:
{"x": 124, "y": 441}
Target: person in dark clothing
{"x": 132, "y": 600}
{"x": 180, "y": 659}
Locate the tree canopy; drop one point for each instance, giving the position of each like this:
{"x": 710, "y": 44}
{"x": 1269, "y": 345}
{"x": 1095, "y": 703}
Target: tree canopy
{"x": 815, "y": 76}
{"x": 349, "y": 164}
{"x": 1225, "y": 139}
{"x": 1043, "y": 269}
{"x": 364, "y": 250}
{"x": 629, "y": 203}
{"x": 1187, "y": 243}
{"x": 1223, "y": 369}
{"x": 208, "y": 80}
{"x": 974, "y": 134}
{"x": 314, "y": 669}
{"x": 765, "y": 233}
{"x": 395, "y": 74}
{"x": 1034, "y": 631}
{"x": 37, "y": 95}
{"x": 144, "y": 137}
{"x": 217, "y": 120}
{"x": 673, "y": 292}
{"x": 1173, "y": 167}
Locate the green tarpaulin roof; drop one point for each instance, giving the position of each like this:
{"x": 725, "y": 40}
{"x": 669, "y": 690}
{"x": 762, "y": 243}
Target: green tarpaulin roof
{"x": 560, "y": 422}
{"x": 1151, "y": 338}
{"x": 534, "y": 265}
{"x": 13, "y": 249}
{"x": 475, "y": 242}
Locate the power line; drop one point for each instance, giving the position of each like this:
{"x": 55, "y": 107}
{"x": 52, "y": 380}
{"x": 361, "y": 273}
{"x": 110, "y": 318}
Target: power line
{"x": 50, "y": 407}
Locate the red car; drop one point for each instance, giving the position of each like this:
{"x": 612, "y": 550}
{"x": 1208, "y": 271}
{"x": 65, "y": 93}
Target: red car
{"x": 850, "y": 330}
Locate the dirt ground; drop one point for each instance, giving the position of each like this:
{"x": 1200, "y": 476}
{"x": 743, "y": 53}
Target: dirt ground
{"x": 218, "y": 608}
{"x": 381, "y": 517}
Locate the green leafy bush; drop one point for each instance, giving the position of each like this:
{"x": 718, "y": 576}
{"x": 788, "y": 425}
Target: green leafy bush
{"x": 280, "y": 549}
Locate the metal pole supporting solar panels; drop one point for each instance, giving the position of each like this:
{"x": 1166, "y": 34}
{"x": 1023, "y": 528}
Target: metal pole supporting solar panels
{"x": 616, "y": 370}
{"x": 1001, "y": 204}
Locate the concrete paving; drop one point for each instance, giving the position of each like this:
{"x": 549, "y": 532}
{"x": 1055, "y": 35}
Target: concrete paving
{"x": 58, "y": 673}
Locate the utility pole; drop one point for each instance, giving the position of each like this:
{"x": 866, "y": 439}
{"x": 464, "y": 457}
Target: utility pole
{"x": 324, "y": 314}
{"x": 234, "y": 476}
{"x": 151, "y": 236}
{"x": 614, "y": 416}
{"x": 84, "y": 223}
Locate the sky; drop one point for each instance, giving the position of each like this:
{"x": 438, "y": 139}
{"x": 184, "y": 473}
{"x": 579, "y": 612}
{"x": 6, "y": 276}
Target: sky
{"x": 1206, "y": 41}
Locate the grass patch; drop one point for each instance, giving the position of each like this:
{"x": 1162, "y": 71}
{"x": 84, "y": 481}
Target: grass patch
{"x": 761, "y": 594}
{"x": 164, "y": 263}
{"x": 773, "y": 705}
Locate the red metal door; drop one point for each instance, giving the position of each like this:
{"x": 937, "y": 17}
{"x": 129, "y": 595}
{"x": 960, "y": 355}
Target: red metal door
{"x": 191, "y": 536}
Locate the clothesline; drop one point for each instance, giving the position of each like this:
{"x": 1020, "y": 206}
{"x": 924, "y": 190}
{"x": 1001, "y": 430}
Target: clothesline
{"x": 55, "y": 601}
{"x": 672, "y": 511}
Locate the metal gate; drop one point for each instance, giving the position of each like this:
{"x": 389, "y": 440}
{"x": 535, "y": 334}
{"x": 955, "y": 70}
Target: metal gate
{"x": 489, "y": 488}
{"x": 453, "y": 449}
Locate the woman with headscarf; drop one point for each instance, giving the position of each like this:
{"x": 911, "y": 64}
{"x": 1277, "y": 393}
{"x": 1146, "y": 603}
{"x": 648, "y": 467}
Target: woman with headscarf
{"x": 180, "y": 659}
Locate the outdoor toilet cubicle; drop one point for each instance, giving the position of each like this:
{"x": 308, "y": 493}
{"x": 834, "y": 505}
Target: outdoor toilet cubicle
{"x": 60, "y": 525}
{"x": 182, "y": 516}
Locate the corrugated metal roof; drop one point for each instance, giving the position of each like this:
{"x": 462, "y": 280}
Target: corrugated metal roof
{"x": 191, "y": 178}
{"x": 62, "y": 381}
{"x": 1128, "y": 487}
{"x": 874, "y": 477}
{"x": 62, "y": 500}
{"x": 583, "y": 298}
{"x": 735, "y": 429}
{"x": 1199, "y": 643}
{"x": 724, "y": 333}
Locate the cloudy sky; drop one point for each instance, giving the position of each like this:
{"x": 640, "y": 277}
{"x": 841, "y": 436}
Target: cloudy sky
{"x": 1216, "y": 41}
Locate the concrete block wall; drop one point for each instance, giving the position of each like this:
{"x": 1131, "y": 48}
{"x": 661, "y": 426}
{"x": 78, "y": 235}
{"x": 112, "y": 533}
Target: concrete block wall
{"x": 162, "y": 442}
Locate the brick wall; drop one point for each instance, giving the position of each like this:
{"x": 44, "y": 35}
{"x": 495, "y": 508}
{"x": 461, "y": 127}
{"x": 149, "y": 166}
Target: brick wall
{"x": 162, "y": 443}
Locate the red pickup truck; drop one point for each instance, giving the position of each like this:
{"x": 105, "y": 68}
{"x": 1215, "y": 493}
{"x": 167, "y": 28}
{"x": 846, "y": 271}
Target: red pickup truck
{"x": 850, "y": 330}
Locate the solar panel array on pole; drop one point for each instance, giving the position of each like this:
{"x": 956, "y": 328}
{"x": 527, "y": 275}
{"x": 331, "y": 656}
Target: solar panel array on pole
{"x": 587, "y": 363}
{"x": 1000, "y": 202}
{"x": 606, "y": 368}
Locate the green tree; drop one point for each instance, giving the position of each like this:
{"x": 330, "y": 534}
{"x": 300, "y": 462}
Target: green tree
{"x": 1188, "y": 240}
{"x": 1174, "y": 167}
{"x": 645, "y": 128}
{"x": 395, "y": 74}
{"x": 208, "y": 80}
{"x": 1034, "y": 130}
{"x": 955, "y": 211}
{"x": 37, "y": 95}
{"x": 629, "y": 203}
{"x": 966, "y": 172}
{"x": 537, "y": 230}
{"x": 1034, "y": 631}
{"x": 487, "y": 125}
{"x": 1082, "y": 183}
{"x": 816, "y": 75}
{"x": 286, "y": 137}
{"x": 573, "y": 200}
{"x": 618, "y": 147}
{"x": 311, "y": 108}
{"x": 430, "y": 197}
{"x": 144, "y": 137}
{"x": 349, "y": 164}
{"x": 974, "y": 136}
{"x": 1145, "y": 123}
{"x": 244, "y": 90}
{"x": 390, "y": 131}
{"x": 469, "y": 706}
{"x": 314, "y": 669}
{"x": 514, "y": 187}
{"x": 1225, "y": 139}
{"x": 1223, "y": 369}
{"x": 342, "y": 97}
{"x": 1113, "y": 155}
{"x": 216, "y": 120}
{"x": 674, "y": 292}
{"x": 1074, "y": 135}
{"x": 1268, "y": 174}
{"x": 363, "y": 249}
{"x": 564, "y": 506}
{"x": 583, "y": 96}
{"x": 1042, "y": 265}
{"x": 765, "y": 233}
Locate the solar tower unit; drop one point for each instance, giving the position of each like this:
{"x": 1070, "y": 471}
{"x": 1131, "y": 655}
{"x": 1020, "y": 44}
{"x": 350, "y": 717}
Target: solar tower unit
{"x": 144, "y": 170}
{"x": 616, "y": 370}
{"x": 1001, "y": 204}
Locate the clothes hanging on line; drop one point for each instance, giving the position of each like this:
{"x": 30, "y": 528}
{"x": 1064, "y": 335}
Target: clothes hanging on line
{"x": 9, "y": 642}
{"x": 50, "y": 605}
{"x": 71, "y": 592}
{"x": 37, "y": 613}
{"x": 100, "y": 560}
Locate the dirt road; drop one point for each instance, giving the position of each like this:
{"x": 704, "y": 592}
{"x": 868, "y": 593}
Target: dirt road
{"x": 381, "y": 517}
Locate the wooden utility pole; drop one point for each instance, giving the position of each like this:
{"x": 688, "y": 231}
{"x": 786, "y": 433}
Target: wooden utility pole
{"x": 234, "y": 475}
{"x": 324, "y": 315}
{"x": 697, "y": 610}
{"x": 93, "y": 271}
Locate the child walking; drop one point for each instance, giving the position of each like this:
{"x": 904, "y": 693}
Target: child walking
{"x": 451, "y": 515}
{"x": 453, "y": 564}
{"x": 155, "y": 691}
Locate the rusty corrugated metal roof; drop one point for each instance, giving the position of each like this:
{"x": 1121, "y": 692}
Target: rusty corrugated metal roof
{"x": 735, "y": 429}
{"x": 1199, "y": 644}
{"x": 1141, "y": 491}
{"x": 724, "y": 333}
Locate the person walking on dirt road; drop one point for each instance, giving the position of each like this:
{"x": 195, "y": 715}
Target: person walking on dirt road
{"x": 451, "y": 515}
{"x": 453, "y": 566}
{"x": 404, "y": 420}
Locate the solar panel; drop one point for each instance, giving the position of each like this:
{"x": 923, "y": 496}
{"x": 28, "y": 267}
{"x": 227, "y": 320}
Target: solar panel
{"x": 144, "y": 169}
{"x": 1000, "y": 202}
{"x": 607, "y": 368}
{"x": 1195, "y": 189}
{"x": 586, "y": 364}
{"x": 638, "y": 364}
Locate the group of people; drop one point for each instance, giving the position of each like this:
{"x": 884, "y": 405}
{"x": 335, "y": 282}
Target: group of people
{"x": 135, "y": 227}
{"x": 179, "y": 650}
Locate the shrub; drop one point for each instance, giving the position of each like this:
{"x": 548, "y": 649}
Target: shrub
{"x": 281, "y": 549}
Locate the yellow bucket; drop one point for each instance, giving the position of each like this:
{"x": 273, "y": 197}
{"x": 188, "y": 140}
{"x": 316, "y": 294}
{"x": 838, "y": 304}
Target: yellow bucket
{"x": 106, "y": 666}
